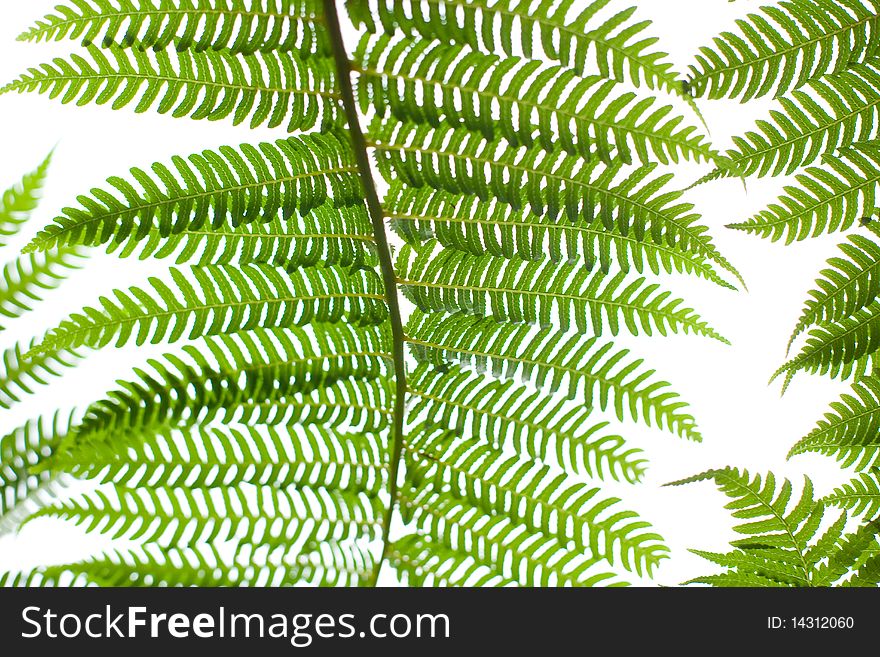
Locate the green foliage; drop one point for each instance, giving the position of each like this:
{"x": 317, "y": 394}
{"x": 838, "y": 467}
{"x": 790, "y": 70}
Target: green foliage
{"x": 784, "y": 46}
{"x": 533, "y": 293}
{"x": 829, "y": 113}
{"x": 670, "y": 245}
{"x": 784, "y": 542}
{"x": 548, "y": 30}
{"x": 21, "y": 375}
{"x": 586, "y": 116}
{"x": 820, "y": 59}
{"x": 826, "y": 199}
{"x": 17, "y": 202}
{"x": 216, "y": 299}
{"x": 286, "y": 428}
{"x": 22, "y": 284}
{"x": 22, "y": 485}
{"x": 510, "y": 415}
{"x": 238, "y": 186}
{"x": 850, "y": 430}
{"x": 23, "y": 280}
{"x": 260, "y": 88}
{"x": 591, "y": 371}
{"x": 237, "y": 26}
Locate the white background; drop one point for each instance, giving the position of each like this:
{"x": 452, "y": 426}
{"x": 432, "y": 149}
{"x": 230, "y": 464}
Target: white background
{"x": 744, "y": 421}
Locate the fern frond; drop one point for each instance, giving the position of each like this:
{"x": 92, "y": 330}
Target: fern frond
{"x": 177, "y": 517}
{"x": 237, "y": 26}
{"x": 523, "y": 101}
{"x": 468, "y": 483}
{"x": 20, "y": 376}
{"x": 850, "y": 431}
{"x": 549, "y": 183}
{"x": 827, "y": 199}
{"x": 510, "y": 416}
{"x": 773, "y": 522}
{"x": 224, "y": 373}
{"x": 17, "y": 202}
{"x": 785, "y": 46}
{"x": 861, "y": 496}
{"x": 235, "y": 185}
{"x": 217, "y": 299}
{"x": 44, "y": 577}
{"x": 422, "y": 562}
{"x": 780, "y": 544}
{"x": 151, "y": 565}
{"x": 565, "y": 296}
{"x": 21, "y": 487}
{"x": 838, "y": 349}
{"x": 771, "y": 572}
{"x": 589, "y": 371}
{"x": 271, "y": 88}
{"x": 848, "y": 285}
{"x": 252, "y": 378}
{"x": 23, "y": 281}
{"x": 327, "y": 235}
{"x": 478, "y": 227}
{"x": 856, "y": 555}
{"x": 232, "y": 455}
{"x": 558, "y": 31}
{"x": 828, "y": 114}
{"x": 358, "y": 405}
{"x": 195, "y": 565}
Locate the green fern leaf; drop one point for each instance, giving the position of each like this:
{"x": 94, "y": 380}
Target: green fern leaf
{"x": 848, "y": 286}
{"x": 244, "y": 185}
{"x": 785, "y": 46}
{"x": 217, "y": 299}
{"x": 558, "y": 31}
{"x": 449, "y": 474}
{"x": 178, "y": 517}
{"x": 23, "y": 281}
{"x": 850, "y": 431}
{"x": 861, "y": 496}
{"x": 589, "y": 117}
{"x": 840, "y": 349}
{"x": 670, "y": 244}
{"x": 451, "y": 281}
{"x": 828, "y": 114}
{"x": 827, "y": 199}
{"x": 779, "y": 530}
{"x": 231, "y": 455}
{"x": 19, "y": 375}
{"x": 282, "y": 25}
{"x": 21, "y": 489}
{"x": 17, "y": 202}
{"x": 551, "y": 184}
{"x": 271, "y": 88}
{"x": 251, "y": 376}
{"x": 327, "y": 235}
{"x": 588, "y": 371}
{"x": 513, "y": 417}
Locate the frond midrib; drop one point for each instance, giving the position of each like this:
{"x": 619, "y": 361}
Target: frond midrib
{"x": 386, "y": 266}
{"x": 158, "y": 77}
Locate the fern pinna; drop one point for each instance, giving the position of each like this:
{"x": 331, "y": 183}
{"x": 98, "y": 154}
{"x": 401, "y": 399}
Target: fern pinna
{"x": 399, "y": 314}
{"x": 820, "y": 60}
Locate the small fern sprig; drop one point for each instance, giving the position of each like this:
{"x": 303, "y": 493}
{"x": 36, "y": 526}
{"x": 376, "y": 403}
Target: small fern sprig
{"x": 783, "y": 541}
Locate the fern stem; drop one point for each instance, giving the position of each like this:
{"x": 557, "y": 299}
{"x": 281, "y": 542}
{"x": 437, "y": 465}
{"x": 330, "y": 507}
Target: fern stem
{"x": 386, "y": 264}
